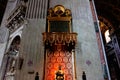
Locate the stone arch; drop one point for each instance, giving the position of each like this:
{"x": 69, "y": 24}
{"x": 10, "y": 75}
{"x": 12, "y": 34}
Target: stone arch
{"x": 12, "y": 38}
{"x": 13, "y": 56}
{"x": 15, "y": 42}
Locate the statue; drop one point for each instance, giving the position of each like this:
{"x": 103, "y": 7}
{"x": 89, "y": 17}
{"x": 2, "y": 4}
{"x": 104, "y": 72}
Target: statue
{"x": 37, "y": 76}
{"x": 84, "y": 76}
{"x": 59, "y": 74}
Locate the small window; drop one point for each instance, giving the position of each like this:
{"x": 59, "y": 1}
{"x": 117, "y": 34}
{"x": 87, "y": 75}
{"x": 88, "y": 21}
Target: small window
{"x": 107, "y": 37}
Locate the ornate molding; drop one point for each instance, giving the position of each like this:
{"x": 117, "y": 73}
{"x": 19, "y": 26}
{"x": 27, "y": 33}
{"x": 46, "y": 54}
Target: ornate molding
{"x": 59, "y": 38}
{"x": 16, "y": 18}
{"x": 59, "y": 11}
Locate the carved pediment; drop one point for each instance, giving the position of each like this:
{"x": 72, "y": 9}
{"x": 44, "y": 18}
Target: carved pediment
{"x": 59, "y": 11}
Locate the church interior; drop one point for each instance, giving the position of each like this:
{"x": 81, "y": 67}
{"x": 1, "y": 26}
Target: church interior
{"x": 108, "y": 14}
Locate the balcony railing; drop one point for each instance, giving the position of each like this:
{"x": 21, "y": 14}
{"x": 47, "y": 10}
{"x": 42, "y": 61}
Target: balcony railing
{"x": 16, "y": 17}
{"x": 59, "y": 41}
{"x": 59, "y": 38}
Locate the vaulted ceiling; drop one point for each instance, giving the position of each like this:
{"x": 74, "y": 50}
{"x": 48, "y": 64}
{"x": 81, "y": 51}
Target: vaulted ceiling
{"x": 108, "y": 10}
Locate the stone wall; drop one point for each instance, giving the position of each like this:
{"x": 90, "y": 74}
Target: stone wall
{"x": 32, "y": 50}
{"x": 4, "y": 34}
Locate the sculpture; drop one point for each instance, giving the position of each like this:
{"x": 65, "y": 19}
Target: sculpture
{"x": 59, "y": 74}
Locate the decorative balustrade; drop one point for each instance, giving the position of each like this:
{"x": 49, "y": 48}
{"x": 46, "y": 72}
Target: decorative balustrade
{"x": 62, "y": 38}
{"x": 16, "y": 17}
{"x": 59, "y": 41}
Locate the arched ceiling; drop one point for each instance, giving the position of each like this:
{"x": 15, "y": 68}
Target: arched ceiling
{"x": 110, "y": 10}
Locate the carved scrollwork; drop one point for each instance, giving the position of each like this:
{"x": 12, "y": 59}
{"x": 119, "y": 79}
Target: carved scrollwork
{"x": 16, "y": 18}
